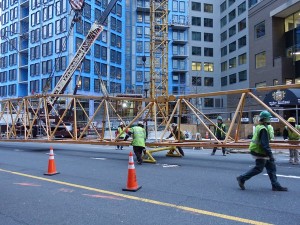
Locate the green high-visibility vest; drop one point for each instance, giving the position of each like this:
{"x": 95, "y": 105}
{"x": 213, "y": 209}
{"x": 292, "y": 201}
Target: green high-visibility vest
{"x": 293, "y": 135}
{"x": 255, "y": 145}
{"x": 121, "y": 132}
{"x": 138, "y": 136}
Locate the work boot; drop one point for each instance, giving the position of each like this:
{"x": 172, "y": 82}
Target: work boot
{"x": 212, "y": 153}
{"x": 279, "y": 188}
{"x": 241, "y": 183}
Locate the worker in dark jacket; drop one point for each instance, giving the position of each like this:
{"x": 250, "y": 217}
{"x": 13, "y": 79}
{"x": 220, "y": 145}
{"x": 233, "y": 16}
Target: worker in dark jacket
{"x": 261, "y": 151}
{"x": 175, "y": 133}
{"x": 138, "y": 140}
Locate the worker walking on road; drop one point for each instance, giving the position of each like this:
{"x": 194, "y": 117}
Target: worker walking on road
{"x": 175, "y": 132}
{"x": 219, "y": 134}
{"x": 138, "y": 140}
{"x": 261, "y": 151}
{"x": 288, "y": 134}
{"x": 121, "y": 131}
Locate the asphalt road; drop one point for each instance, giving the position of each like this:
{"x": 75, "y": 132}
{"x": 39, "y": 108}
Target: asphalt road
{"x": 196, "y": 189}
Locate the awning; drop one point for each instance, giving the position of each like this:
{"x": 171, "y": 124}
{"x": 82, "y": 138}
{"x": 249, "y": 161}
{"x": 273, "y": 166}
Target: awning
{"x": 283, "y": 97}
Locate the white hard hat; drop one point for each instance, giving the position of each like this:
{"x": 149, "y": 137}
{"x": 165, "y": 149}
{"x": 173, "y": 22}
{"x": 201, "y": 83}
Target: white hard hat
{"x": 121, "y": 124}
{"x": 140, "y": 123}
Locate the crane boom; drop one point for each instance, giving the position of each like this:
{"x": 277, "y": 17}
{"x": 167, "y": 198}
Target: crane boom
{"x": 91, "y": 37}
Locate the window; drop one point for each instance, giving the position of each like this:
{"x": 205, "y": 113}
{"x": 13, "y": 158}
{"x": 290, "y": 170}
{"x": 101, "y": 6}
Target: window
{"x": 242, "y": 25}
{"x": 224, "y": 81}
{"x": 232, "y": 31}
{"x": 196, "y": 66}
{"x": 208, "y": 37}
{"x": 224, "y": 36}
{"x": 242, "y": 41}
{"x": 232, "y": 63}
{"x": 196, "y": 50}
{"x": 208, "y": 8}
{"x": 261, "y": 84}
{"x": 196, "y": 21}
{"x": 231, "y": 15}
{"x": 208, "y": 81}
{"x": 223, "y": 66}
{"x": 223, "y": 7}
{"x": 196, "y": 6}
{"x": 242, "y": 8}
{"x": 208, "y": 52}
{"x": 208, "y": 22}
{"x": 175, "y": 6}
{"x": 181, "y": 6}
{"x": 224, "y": 51}
{"x": 86, "y": 83}
{"x": 243, "y": 75}
{"x": 260, "y": 30}
{"x": 260, "y": 60}
{"x": 196, "y": 81}
{"x": 196, "y": 36}
{"x": 208, "y": 102}
{"x": 230, "y": 2}
{"x": 232, "y": 78}
{"x": 208, "y": 67}
{"x": 223, "y": 21}
{"x": 242, "y": 59}
{"x": 232, "y": 47}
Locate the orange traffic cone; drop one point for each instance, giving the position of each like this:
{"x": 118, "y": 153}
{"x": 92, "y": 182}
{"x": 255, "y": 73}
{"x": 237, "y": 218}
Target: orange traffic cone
{"x": 132, "y": 184}
{"x": 51, "y": 164}
{"x": 206, "y": 135}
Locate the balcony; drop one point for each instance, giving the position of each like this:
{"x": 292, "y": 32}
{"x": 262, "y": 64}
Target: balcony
{"x": 180, "y": 25}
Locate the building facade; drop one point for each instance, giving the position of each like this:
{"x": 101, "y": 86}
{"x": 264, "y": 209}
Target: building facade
{"x": 274, "y": 56}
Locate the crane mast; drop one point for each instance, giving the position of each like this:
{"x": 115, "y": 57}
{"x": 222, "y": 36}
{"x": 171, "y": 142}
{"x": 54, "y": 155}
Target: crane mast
{"x": 159, "y": 53}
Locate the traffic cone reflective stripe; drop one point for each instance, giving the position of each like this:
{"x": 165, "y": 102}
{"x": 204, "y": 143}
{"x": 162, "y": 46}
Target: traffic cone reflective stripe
{"x": 132, "y": 184}
{"x": 51, "y": 164}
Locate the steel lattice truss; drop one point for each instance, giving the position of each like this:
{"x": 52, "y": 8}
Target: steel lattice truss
{"x": 159, "y": 55}
{"x": 22, "y": 118}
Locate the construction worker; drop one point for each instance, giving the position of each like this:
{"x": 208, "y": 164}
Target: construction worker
{"x": 174, "y": 133}
{"x": 219, "y": 134}
{"x": 121, "y": 131}
{"x": 288, "y": 134}
{"x": 138, "y": 140}
{"x": 261, "y": 151}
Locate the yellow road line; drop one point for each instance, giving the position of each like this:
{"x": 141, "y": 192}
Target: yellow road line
{"x": 184, "y": 208}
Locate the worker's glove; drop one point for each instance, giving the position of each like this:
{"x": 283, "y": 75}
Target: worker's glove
{"x": 126, "y": 137}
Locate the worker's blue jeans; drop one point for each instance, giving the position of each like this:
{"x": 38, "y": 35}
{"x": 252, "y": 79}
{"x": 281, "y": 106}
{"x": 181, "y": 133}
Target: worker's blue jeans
{"x": 259, "y": 166}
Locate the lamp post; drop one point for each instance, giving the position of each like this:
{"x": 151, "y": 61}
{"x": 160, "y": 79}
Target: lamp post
{"x": 146, "y": 89}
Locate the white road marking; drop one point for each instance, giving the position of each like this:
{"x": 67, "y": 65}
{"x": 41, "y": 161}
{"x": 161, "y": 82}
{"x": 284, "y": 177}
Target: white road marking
{"x": 287, "y": 176}
{"x": 168, "y": 166}
{"x": 99, "y": 158}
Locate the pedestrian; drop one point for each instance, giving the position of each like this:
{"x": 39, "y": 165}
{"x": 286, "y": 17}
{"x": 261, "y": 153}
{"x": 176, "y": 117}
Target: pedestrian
{"x": 219, "y": 132}
{"x": 175, "y": 132}
{"x": 121, "y": 131}
{"x": 138, "y": 140}
{"x": 262, "y": 153}
{"x": 288, "y": 134}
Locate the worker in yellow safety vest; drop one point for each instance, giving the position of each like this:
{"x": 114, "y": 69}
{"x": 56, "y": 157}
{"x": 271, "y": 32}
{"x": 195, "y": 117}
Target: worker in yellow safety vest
{"x": 288, "y": 134}
{"x": 138, "y": 140}
{"x": 121, "y": 131}
{"x": 261, "y": 151}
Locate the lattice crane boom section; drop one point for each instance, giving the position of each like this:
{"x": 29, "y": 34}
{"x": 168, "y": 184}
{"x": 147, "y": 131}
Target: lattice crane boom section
{"x": 159, "y": 51}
